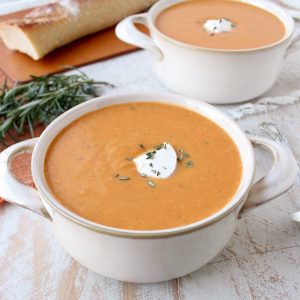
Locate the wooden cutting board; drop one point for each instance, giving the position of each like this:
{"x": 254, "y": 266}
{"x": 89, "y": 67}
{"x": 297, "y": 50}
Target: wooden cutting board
{"x": 98, "y": 46}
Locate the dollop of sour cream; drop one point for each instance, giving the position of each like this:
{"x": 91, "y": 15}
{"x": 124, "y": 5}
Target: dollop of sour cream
{"x": 213, "y": 26}
{"x": 157, "y": 163}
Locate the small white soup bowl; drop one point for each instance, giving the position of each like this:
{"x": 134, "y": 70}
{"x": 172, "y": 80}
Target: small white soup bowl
{"x": 215, "y": 76}
{"x": 152, "y": 255}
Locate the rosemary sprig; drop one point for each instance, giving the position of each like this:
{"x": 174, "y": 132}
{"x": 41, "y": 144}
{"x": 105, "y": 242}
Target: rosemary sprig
{"x": 42, "y": 100}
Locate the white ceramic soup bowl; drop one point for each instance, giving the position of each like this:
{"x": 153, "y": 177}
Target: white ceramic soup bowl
{"x": 146, "y": 256}
{"x": 215, "y": 76}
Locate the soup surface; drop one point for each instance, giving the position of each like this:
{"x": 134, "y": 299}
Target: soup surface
{"x": 252, "y": 27}
{"x": 89, "y": 167}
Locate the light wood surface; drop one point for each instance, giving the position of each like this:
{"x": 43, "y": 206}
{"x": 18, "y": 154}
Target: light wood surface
{"x": 261, "y": 261}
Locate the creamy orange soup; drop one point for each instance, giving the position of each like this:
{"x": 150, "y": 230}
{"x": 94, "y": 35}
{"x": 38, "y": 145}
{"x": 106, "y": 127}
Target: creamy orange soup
{"x": 87, "y": 162}
{"x": 252, "y": 27}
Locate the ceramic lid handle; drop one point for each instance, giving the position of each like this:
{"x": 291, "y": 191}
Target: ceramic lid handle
{"x": 129, "y": 33}
{"x": 11, "y": 189}
{"x": 278, "y": 180}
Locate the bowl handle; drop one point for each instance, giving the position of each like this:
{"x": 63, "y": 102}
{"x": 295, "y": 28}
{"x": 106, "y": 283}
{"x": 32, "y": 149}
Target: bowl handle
{"x": 278, "y": 180}
{"x": 294, "y": 46}
{"x": 127, "y": 32}
{"x": 11, "y": 189}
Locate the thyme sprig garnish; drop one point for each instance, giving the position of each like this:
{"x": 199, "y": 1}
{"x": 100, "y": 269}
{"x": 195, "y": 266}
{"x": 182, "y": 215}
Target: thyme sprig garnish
{"x": 43, "y": 99}
{"x": 182, "y": 158}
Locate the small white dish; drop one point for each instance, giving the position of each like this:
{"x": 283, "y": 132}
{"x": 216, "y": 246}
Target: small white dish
{"x": 215, "y": 76}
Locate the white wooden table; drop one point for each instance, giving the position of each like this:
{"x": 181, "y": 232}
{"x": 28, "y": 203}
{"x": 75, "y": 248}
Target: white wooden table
{"x": 262, "y": 260}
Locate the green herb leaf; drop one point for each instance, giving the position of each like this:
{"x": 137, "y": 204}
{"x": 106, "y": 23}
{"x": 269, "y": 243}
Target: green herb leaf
{"x": 189, "y": 164}
{"x": 150, "y": 155}
{"x": 182, "y": 155}
{"x": 161, "y": 146}
{"x": 151, "y": 183}
{"x": 123, "y": 177}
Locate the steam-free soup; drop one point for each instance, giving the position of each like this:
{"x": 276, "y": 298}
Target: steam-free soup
{"x": 90, "y": 170}
{"x": 220, "y": 24}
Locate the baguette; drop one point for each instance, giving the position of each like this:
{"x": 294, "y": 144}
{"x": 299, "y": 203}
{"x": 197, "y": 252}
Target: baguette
{"x": 51, "y": 26}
